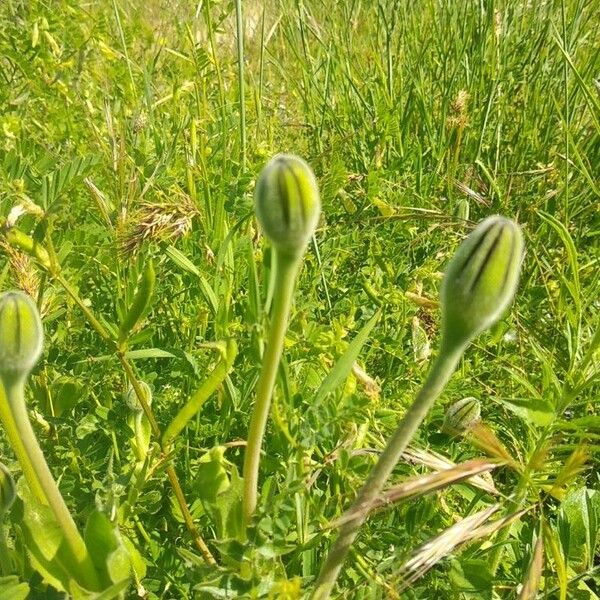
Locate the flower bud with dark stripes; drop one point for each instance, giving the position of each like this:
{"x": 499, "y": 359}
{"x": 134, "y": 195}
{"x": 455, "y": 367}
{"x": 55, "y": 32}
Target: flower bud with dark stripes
{"x": 21, "y": 336}
{"x": 462, "y": 416}
{"x": 481, "y": 279}
{"x": 7, "y": 490}
{"x": 287, "y": 203}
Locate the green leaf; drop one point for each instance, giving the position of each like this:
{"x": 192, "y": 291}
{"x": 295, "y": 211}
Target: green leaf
{"x": 343, "y": 366}
{"x": 109, "y": 554}
{"x": 204, "y": 392}
{"x": 149, "y": 353}
{"x": 66, "y": 393}
{"x": 43, "y": 539}
{"x": 536, "y": 411}
{"x": 12, "y": 589}
{"x": 183, "y": 262}
{"x": 221, "y": 493}
{"x": 472, "y": 578}
{"x": 581, "y": 508}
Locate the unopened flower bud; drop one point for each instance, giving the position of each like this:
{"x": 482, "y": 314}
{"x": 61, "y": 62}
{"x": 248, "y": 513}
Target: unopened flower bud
{"x": 462, "y": 416}
{"x": 287, "y": 203}
{"x": 7, "y": 490}
{"x": 21, "y": 335}
{"x": 132, "y": 400}
{"x": 481, "y": 279}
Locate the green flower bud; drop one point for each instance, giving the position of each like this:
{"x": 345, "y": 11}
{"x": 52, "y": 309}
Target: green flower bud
{"x": 462, "y": 415}
{"x": 287, "y": 204}
{"x": 481, "y": 279}
{"x": 132, "y": 400}
{"x": 7, "y": 490}
{"x": 21, "y": 335}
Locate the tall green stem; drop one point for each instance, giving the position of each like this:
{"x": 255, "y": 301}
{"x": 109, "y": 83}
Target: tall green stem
{"x": 439, "y": 375}
{"x": 41, "y": 480}
{"x": 240, "y": 52}
{"x": 287, "y": 268}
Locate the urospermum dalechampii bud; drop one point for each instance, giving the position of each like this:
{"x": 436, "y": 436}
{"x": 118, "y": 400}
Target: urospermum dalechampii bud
{"x": 481, "y": 279}
{"x": 287, "y": 203}
{"x": 21, "y": 335}
{"x": 462, "y": 416}
{"x": 132, "y": 400}
{"x": 7, "y": 490}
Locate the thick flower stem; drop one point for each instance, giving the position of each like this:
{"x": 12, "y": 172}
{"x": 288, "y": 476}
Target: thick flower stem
{"x": 439, "y": 375}
{"x": 40, "y": 479}
{"x": 14, "y": 439}
{"x": 287, "y": 269}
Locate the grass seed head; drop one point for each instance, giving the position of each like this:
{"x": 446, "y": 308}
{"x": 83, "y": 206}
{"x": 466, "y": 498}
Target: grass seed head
{"x": 21, "y": 335}
{"x": 481, "y": 279}
{"x": 7, "y": 490}
{"x": 287, "y": 203}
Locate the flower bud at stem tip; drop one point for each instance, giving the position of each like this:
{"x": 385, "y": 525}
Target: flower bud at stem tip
{"x": 287, "y": 203}
{"x": 481, "y": 279}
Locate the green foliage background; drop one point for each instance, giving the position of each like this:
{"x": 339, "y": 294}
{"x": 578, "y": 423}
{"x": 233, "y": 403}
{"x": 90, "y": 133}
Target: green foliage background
{"x": 418, "y": 118}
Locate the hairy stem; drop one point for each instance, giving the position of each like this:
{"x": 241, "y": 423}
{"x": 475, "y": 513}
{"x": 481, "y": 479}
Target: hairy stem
{"x": 287, "y": 268}
{"x": 35, "y": 466}
{"x": 440, "y": 373}
{"x": 16, "y": 443}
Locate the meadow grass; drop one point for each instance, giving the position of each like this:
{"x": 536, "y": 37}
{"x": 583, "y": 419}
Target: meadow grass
{"x": 126, "y": 134}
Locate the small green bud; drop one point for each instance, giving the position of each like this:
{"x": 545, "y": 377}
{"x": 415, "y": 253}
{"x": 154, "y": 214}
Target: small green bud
{"x": 7, "y": 490}
{"x": 481, "y": 279}
{"x": 132, "y": 400}
{"x": 287, "y": 204}
{"x": 21, "y": 335}
{"x": 462, "y": 415}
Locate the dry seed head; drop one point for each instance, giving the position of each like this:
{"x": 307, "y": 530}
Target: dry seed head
{"x": 7, "y": 491}
{"x": 287, "y": 203}
{"x": 22, "y": 272}
{"x": 158, "y": 222}
{"x": 21, "y": 335}
{"x": 481, "y": 279}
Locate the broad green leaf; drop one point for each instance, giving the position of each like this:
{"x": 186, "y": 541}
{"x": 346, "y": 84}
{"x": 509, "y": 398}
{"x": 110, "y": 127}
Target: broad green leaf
{"x": 220, "y": 493}
{"x": 183, "y": 262}
{"x": 472, "y": 578}
{"x": 12, "y": 589}
{"x": 66, "y": 393}
{"x": 149, "y": 353}
{"x": 533, "y": 410}
{"x": 109, "y": 555}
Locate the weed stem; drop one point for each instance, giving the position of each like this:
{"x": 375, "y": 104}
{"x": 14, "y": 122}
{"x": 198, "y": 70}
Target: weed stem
{"x": 440, "y": 373}
{"x": 285, "y": 278}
